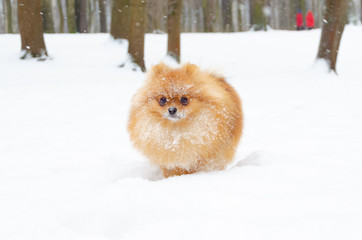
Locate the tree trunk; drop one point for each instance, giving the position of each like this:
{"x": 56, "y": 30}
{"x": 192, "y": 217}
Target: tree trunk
{"x": 47, "y": 13}
{"x": 8, "y": 13}
{"x": 31, "y": 29}
{"x": 226, "y": 6}
{"x": 174, "y": 28}
{"x": 61, "y": 16}
{"x": 81, "y": 15}
{"x": 187, "y": 14}
{"x": 245, "y": 15}
{"x": 137, "y": 32}
{"x": 120, "y": 21}
{"x": 71, "y": 20}
{"x": 155, "y": 16}
{"x": 258, "y": 18}
{"x": 333, "y": 26}
{"x": 198, "y": 23}
{"x": 103, "y": 15}
{"x": 239, "y": 16}
{"x": 284, "y": 12}
{"x": 209, "y": 10}
{"x": 90, "y": 14}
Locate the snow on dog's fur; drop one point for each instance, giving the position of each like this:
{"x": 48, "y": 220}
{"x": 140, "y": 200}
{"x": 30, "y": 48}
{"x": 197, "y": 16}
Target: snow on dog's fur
{"x": 186, "y": 120}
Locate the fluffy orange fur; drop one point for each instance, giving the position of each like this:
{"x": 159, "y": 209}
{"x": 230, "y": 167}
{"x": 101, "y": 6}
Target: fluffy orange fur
{"x": 201, "y": 136}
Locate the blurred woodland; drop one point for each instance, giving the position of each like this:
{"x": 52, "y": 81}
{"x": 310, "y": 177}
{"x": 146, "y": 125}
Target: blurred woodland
{"x": 131, "y": 19}
{"x": 93, "y": 16}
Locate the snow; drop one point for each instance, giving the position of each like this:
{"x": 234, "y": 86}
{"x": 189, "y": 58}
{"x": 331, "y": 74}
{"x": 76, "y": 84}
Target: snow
{"x": 68, "y": 170}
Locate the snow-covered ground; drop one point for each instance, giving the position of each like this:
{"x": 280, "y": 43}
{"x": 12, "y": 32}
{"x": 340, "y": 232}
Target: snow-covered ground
{"x": 68, "y": 170}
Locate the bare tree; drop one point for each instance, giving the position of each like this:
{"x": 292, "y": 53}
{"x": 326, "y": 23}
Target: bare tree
{"x": 218, "y": 25}
{"x": 72, "y": 26}
{"x": 156, "y": 15}
{"x": 286, "y": 15}
{"x": 186, "y": 15}
{"x": 174, "y": 28}
{"x": 226, "y": 6}
{"x": 120, "y": 21}
{"x": 333, "y": 26}
{"x": 61, "y": 16}
{"x": 197, "y": 19}
{"x": 137, "y": 32}
{"x": 91, "y": 16}
{"x": 209, "y": 10}
{"x": 245, "y": 14}
{"x": 239, "y": 16}
{"x": 47, "y": 16}
{"x": 31, "y": 29}
{"x": 81, "y": 15}
{"x": 8, "y": 12}
{"x": 102, "y": 15}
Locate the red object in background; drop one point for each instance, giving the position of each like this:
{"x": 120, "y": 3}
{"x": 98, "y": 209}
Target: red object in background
{"x": 299, "y": 20}
{"x": 309, "y": 20}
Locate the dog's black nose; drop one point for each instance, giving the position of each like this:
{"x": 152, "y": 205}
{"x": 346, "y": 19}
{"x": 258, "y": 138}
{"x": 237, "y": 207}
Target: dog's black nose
{"x": 172, "y": 110}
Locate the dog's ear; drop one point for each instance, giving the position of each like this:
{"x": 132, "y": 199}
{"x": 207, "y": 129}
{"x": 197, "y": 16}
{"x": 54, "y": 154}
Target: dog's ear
{"x": 159, "y": 68}
{"x": 190, "y": 68}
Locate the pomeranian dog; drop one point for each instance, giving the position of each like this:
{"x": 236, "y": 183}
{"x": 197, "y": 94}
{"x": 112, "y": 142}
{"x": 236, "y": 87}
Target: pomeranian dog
{"x": 186, "y": 120}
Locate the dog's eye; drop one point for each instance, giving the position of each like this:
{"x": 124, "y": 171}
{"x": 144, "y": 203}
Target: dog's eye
{"x": 184, "y": 101}
{"x": 162, "y": 101}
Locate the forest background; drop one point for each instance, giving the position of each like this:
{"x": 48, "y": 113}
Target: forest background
{"x": 93, "y": 16}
